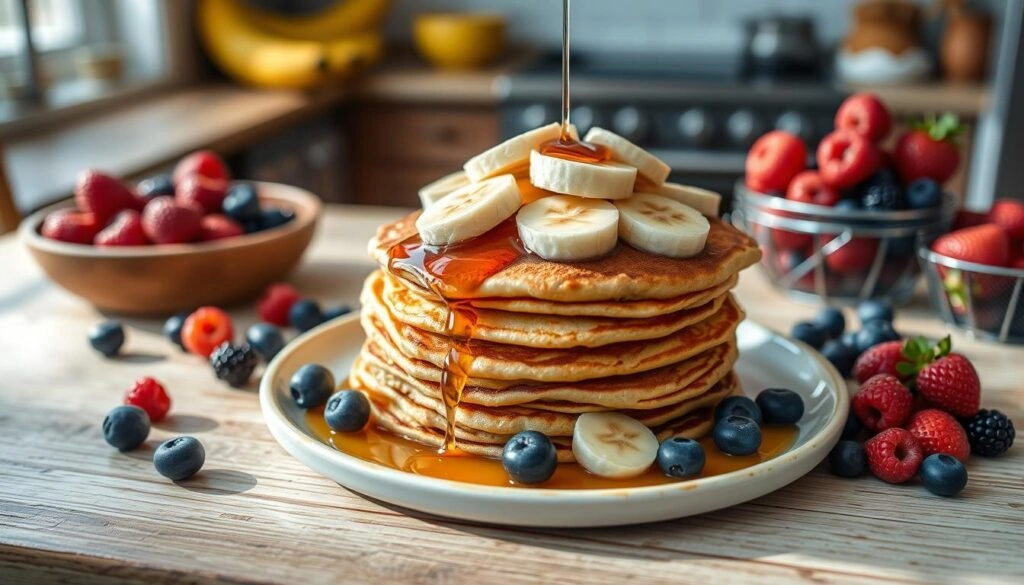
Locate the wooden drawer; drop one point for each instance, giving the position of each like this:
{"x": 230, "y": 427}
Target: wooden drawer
{"x": 394, "y": 184}
{"x": 423, "y": 134}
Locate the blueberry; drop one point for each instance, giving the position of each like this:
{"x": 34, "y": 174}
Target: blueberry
{"x": 808, "y": 333}
{"x": 847, "y": 459}
{"x": 737, "y": 435}
{"x": 848, "y": 205}
{"x": 126, "y": 427}
{"x": 739, "y": 406}
{"x": 155, "y": 186}
{"x": 943, "y": 475}
{"x": 852, "y": 428}
{"x": 780, "y": 406}
{"x": 311, "y": 385}
{"x": 275, "y": 217}
{"x": 831, "y": 321}
{"x": 924, "y": 194}
{"x": 869, "y": 311}
{"x": 529, "y": 457}
{"x": 265, "y": 339}
{"x": 179, "y": 458}
{"x": 679, "y": 457}
{"x": 873, "y": 333}
{"x": 849, "y": 339}
{"x": 336, "y": 311}
{"x": 840, "y": 355}
{"x": 107, "y": 337}
{"x": 305, "y": 314}
{"x": 883, "y": 198}
{"x": 347, "y": 411}
{"x": 172, "y": 328}
{"x": 242, "y": 204}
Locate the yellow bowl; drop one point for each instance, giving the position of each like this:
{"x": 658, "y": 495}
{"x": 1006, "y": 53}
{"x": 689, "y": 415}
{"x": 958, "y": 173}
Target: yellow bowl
{"x": 459, "y": 40}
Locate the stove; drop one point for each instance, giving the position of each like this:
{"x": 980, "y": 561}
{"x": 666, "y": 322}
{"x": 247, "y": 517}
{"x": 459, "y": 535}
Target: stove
{"x": 699, "y": 114}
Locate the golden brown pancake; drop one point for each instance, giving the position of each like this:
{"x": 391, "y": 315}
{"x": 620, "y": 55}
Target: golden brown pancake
{"x": 627, "y": 274}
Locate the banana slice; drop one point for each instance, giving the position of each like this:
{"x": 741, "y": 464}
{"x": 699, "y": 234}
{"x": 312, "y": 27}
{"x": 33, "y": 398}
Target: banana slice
{"x": 512, "y": 154}
{"x": 624, "y": 151}
{"x": 432, "y": 193}
{"x": 566, "y": 228}
{"x": 607, "y": 180}
{"x": 660, "y": 225}
{"x": 611, "y": 444}
{"x": 469, "y": 211}
{"x": 704, "y": 201}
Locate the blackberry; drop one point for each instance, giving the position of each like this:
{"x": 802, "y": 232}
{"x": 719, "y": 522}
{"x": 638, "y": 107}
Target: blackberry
{"x": 882, "y": 192}
{"x": 233, "y": 363}
{"x": 990, "y": 433}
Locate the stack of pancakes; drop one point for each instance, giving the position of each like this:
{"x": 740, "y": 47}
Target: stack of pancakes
{"x": 649, "y": 336}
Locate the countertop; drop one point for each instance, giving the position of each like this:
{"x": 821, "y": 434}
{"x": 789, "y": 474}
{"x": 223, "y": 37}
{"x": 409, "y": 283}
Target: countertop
{"x": 73, "y": 510}
{"x": 147, "y": 135}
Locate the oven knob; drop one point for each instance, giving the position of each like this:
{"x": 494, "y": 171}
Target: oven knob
{"x": 796, "y": 123}
{"x": 585, "y": 118}
{"x": 536, "y": 116}
{"x": 697, "y": 127}
{"x": 630, "y": 123}
{"x": 744, "y": 128}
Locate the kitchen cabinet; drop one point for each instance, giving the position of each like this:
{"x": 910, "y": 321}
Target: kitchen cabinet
{"x": 397, "y": 148}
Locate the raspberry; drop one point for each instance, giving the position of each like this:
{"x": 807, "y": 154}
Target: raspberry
{"x": 882, "y": 402}
{"x": 990, "y": 433}
{"x": 233, "y": 363}
{"x": 276, "y": 302}
{"x": 894, "y": 455}
{"x": 150, "y": 396}
{"x": 938, "y": 432}
{"x": 218, "y": 227}
{"x": 204, "y": 163}
{"x": 205, "y": 329}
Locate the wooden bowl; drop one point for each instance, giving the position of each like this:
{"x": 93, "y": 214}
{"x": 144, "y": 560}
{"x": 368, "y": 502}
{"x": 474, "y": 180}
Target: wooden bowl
{"x": 164, "y": 279}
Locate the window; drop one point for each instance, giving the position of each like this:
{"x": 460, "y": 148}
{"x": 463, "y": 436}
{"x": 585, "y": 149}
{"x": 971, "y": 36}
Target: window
{"x": 56, "y": 24}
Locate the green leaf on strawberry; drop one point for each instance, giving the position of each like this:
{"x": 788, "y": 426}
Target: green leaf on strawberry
{"x": 944, "y": 127}
{"x": 920, "y": 352}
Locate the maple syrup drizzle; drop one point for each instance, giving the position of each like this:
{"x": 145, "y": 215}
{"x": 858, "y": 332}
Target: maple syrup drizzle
{"x": 379, "y": 446}
{"x": 462, "y": 267}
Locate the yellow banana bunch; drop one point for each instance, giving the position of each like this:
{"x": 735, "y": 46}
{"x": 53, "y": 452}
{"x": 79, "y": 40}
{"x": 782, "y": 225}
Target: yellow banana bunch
{"x": 254, "y": 54}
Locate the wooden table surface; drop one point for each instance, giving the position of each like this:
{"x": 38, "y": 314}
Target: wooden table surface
{"x": 73, "y": 510}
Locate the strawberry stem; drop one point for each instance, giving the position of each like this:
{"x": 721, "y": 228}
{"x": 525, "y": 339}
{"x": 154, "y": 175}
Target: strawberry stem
{"x": 919, "y": 352}
{"x": 939, "y": 128}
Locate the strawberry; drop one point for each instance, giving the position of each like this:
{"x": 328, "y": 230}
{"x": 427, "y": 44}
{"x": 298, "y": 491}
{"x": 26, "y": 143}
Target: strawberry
{"x": 938, "y": 432}
{"x": 125, "y": 230}
{"x": 205, "y": 163}
{"x": 206, "y": 192}
{"x": 166, "y": 222}
{"x": 846, "y": 158}
{"x": 1009, "y": 215}
{"x": 866, "y": 115}
{"x": 854, "y": 256}
{"x": 882, "y": 402}
{"x": 103, "y": 195}
{"x": 275, "y": 303}
{"x": 966, "y": 219}
{"x": 808, "y": 187}
{"x": 894, "y": 455}
{"x": 928, "y": 150}
{"x": 68, "y": 225}
{"x": 880, "y": 359}
{"x": 984, "y": 244}
{"x": 773, "y": 160}
{"x": 952, "y": 384}
{"x": 218, "y": 227}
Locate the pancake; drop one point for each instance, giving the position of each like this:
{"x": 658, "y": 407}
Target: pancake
{"x": 509, "y": 362}
{"x": 531, "y": 330}
{"x": 627, "y": 274}
{"x": 645, "y": 390}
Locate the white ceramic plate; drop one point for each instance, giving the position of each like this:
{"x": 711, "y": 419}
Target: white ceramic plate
{"x": 766, "y": 360}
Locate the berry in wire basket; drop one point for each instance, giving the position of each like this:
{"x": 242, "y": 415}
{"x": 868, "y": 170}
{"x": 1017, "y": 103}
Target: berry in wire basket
{"x": 929, "y": 149}
{"x": 846, "y": 158}
{"x": 866, "y": 115}
{"x": 809, "y": 187}
{"x": 773, "y": 160}
{"x": 990, "y": 433}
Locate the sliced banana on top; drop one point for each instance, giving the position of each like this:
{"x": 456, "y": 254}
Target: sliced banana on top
{"x": 703, "y": 200}
{"x": 624, "y": 151}
{"x": 606, "y": 180}
{"x": 512, "y": 154}
{"x": 660, "y": 225}
{"x": 432, "y": 193}
{"x": 469, "y": 211}
{"x": 566, "y": 228}
{"x": 611, "y": 444}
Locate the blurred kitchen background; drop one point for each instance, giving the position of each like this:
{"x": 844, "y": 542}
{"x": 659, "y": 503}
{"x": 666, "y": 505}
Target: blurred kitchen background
{"x": 130, "y": 85}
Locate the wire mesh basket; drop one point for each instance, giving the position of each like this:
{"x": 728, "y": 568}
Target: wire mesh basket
{"x": 985, "y": 301}
{"x": 820, "y": 254}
